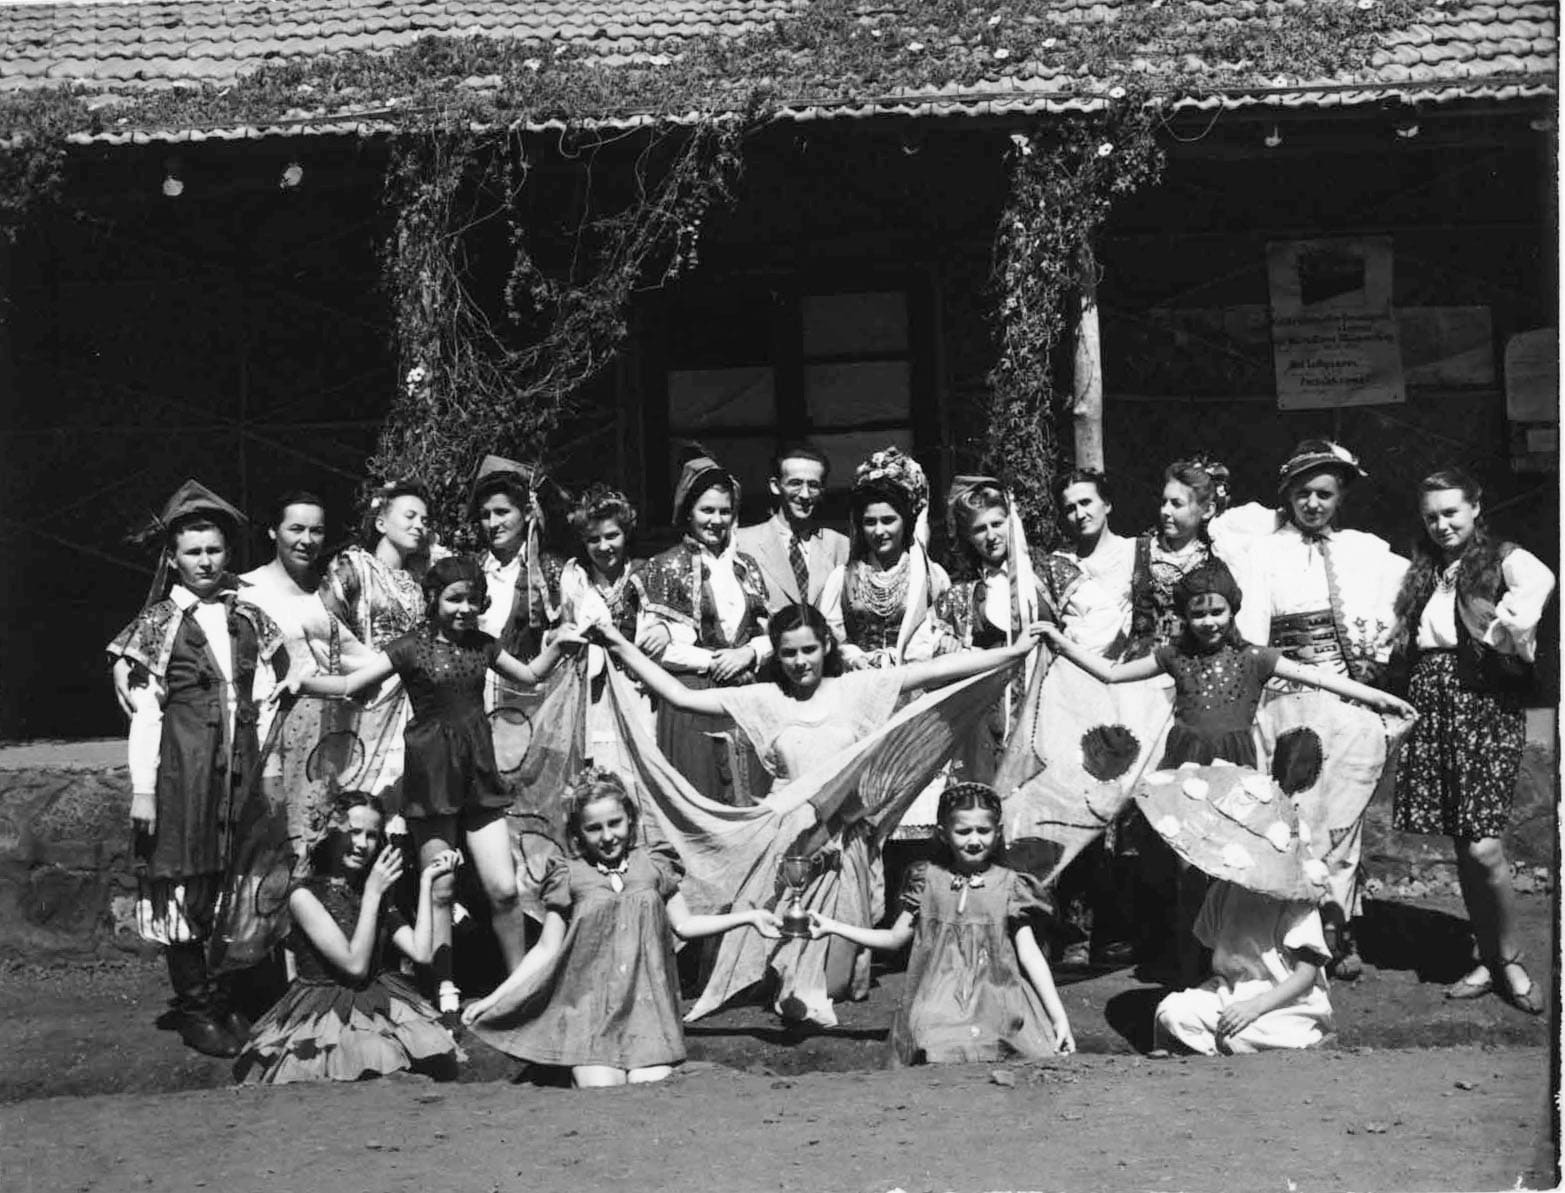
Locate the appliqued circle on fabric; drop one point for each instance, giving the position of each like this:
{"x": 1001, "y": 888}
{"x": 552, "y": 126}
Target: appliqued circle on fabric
{"x": 1109, "y": 751}
{"x": 337, "y": 758}
{"x": 1297, "y": 761}
{"x": 511, "y": 730}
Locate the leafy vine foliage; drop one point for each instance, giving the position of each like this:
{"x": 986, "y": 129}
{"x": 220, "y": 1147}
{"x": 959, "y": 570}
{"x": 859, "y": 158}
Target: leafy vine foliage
{"x": 484, "y": 372}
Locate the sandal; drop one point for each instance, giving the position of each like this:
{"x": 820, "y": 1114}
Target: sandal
{"x": 1529, "y": 1000}
{"x": 1469, "y": 988}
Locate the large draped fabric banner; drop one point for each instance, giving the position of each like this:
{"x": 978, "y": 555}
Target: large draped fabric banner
{"x": 1079, "y": 748}
{"x": 1331, "y": 756}
{"x": 732, "y": 855}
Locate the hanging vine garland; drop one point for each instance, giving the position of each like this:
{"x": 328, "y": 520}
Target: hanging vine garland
{"x": 467, "y": 386}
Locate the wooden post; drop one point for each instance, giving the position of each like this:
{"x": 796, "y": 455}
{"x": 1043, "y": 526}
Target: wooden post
{"x": 1087, "y": 382}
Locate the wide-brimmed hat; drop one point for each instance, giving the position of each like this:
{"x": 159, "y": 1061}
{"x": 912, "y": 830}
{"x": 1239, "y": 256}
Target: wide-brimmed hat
{"x": 1236, "y": 824}
{"x": 1312, "y": 455}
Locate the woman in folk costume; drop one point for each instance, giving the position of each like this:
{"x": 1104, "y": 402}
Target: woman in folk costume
{"x": 193, "y": 655}
{"x": 880, "y": 603}
{"x": 1468, "y": 614}
{"x": 288, "y": 589}
{"x": 375, "y": 592}
{"x": 711, "y": 600}
{"x": 843, "y": 780}
{"x": 597, "y": 585}
{"x": 1324, "y": 595}
{"x": 1009, "y": 592}
{"x": 523, "y": 578}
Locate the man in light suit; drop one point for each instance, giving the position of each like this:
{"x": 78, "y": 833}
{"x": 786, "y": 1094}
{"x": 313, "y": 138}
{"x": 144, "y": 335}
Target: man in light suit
{"x": 795, "y": 552}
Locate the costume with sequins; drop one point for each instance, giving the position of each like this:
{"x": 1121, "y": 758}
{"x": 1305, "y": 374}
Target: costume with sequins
{"x": 1216, "y": 694}
{"x": 966, "y": 997}
{"x": 450, "y": 762}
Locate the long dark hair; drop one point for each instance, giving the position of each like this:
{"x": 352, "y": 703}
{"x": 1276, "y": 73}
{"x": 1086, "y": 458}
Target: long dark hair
{"x": 874, "y": 493}
{"x": 325, "y": 854}
{"x": 801, "y": 617}
{"x": 1480, "y": 556}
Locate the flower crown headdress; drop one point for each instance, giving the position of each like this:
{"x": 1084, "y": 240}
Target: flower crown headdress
{"x": 894, "y": 467}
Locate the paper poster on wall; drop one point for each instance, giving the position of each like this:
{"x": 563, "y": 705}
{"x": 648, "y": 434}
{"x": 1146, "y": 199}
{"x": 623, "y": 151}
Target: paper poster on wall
{"x": 1334, "y": 336}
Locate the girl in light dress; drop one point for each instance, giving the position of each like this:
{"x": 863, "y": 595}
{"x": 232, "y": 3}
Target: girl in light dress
{"x": 978, "y": 986}
{"x": 348, "y": 1015}
{"x": 599, "y": 993}
{"x": 806, "y": 719}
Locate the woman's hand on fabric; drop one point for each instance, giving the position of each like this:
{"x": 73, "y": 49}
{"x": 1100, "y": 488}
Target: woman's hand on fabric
{"x": 384, "y": 873}
{"x": 474, "y": 1011}
{"x": 1064, "y": 1041}
{"x": 653, "y": 639}
{"x": 728, "y": 665}
{"x": 1237, "y": 1016}
{"x": 144, "y": 812}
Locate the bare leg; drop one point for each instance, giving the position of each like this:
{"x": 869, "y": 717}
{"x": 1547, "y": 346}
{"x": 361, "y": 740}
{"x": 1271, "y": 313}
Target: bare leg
{"x": 651, "y": 1073}
{"x": 489, "y": 845}
{"x": 436, "y": 836}
{"x": 596, "y": 1076}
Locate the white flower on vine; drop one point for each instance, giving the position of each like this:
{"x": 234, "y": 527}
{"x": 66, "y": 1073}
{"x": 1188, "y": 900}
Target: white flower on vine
{"x": 1023, "y": 143}
{"x": 995, "y": 20}
{"x": 914, "y": 46}
{"x": 1105, "y": 149}
{"x": 416, "y": 376}
{"x": 1049, "y": 43}
{"x": 874, "y": 33}
{"x": 1116, "y": 93}
{"x": 1002, "y": 52}
{"x": 532, "y": 63}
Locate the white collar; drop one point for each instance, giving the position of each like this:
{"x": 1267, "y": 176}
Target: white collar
{"x": 493, "y": 566}
{"x": 185, "y": 600}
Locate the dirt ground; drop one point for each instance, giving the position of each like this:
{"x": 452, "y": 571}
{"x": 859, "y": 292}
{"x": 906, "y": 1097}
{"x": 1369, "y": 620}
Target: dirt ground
{"x": 1417, "y": 1093}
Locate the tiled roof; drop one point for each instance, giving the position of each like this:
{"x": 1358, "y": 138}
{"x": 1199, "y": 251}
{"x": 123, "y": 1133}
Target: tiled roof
{"x": 1457, "y": 49}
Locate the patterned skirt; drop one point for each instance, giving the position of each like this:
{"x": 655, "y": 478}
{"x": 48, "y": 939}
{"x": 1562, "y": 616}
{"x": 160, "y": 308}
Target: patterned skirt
{"x": 1457, "y": 774}
{"x": 321, "y": 1031}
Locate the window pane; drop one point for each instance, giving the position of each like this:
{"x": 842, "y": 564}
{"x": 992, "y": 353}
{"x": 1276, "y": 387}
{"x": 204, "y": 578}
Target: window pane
{"x": 853, "y": 324}
{"x": 848, "y": 449}
{"x": 844, "y": 395}
{"x": 702, "y": 398}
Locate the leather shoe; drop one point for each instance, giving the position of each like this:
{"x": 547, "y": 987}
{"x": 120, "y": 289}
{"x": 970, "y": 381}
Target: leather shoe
{"x": 203, "y": 1033}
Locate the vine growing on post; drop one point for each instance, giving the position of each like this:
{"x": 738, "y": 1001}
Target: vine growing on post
{"x": 1064, "y": 178}
{"x": 481, "y": 372}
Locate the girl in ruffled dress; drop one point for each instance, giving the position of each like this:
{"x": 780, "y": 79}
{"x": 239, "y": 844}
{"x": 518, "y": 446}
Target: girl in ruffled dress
{"x": 599, "y": 993}
{"x": 978, "y": 986}
{"x": 348, "y": 1015}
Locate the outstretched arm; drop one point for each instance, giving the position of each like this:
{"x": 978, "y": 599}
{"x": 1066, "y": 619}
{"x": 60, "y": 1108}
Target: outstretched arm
{"x": 1341, "y": 685}
{"x": 367, "y": 676}
{"x": 666, "y": 687}
{"x": 689, "y": 926}
{"x": 885, "y": 940}
{"x": 952, "y": 667}
{"x": 1036, "y": 967}
{"x": 530, "y": 675}
{"x": 1099, "y": 667}
{"x": 527, "y": 976}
